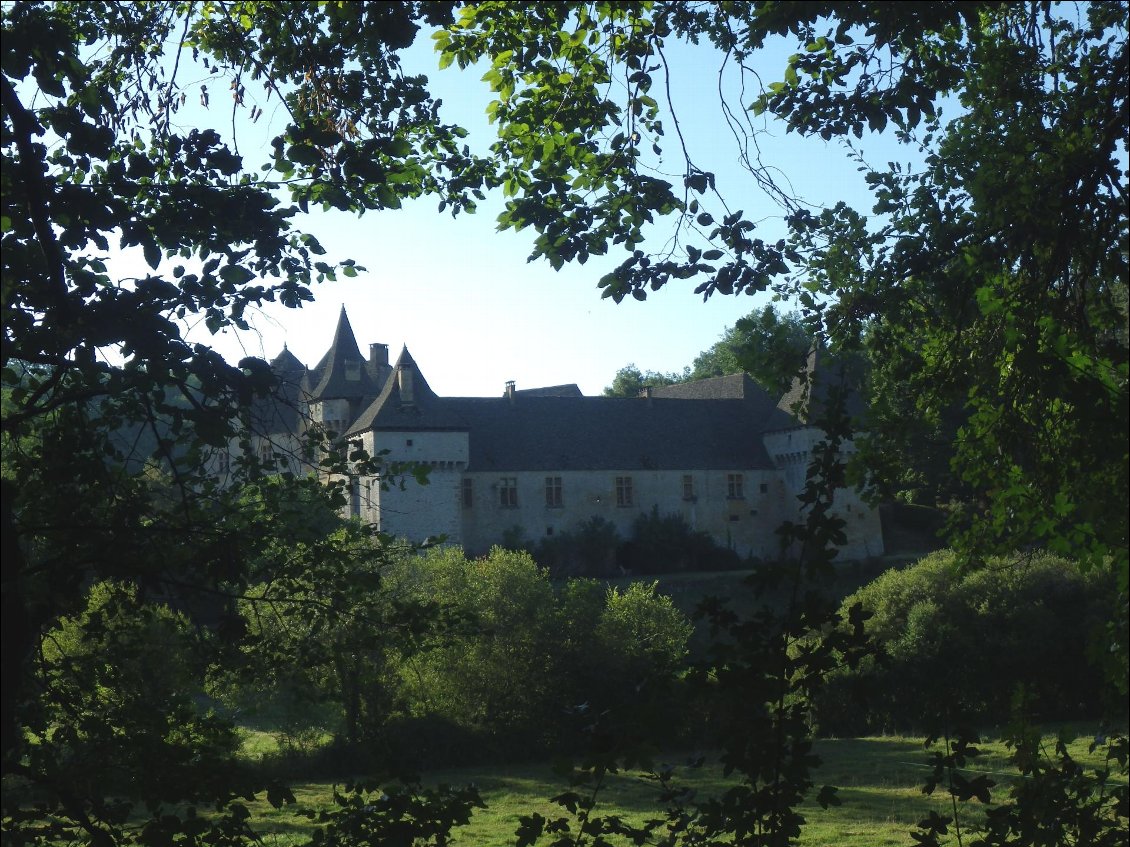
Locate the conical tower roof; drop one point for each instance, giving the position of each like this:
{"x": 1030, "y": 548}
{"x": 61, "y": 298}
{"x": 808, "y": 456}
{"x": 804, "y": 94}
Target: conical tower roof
{"x": 280, "y": 411}
{"x": 807, "y": 400}
{"x": 420, "y": 409}
{"x": 342, "y": 373}
{"x": 287, "y": 363}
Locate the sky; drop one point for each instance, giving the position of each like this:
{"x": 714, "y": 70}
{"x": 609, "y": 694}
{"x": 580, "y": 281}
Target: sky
{"x": 462, "y": 296}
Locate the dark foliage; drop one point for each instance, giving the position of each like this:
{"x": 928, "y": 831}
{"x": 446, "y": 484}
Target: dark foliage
{"x": 960, "y": 647}
{"x": 667, "y": 544}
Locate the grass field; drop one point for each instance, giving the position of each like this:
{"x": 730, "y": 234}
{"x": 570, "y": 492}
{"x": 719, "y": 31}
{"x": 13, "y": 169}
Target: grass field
{"x": 879, "y": 780}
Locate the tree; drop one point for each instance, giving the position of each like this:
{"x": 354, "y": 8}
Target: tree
{"x": 994, "y": 280}
{"x": 930, "y": 621}
{"x": 322, "y": 632}
{"x": 770, "y": 347}
{"x": 533, "y": 659}
{"x": 1020, "y": 297}
{"x": 105, "y": 471}
{"x": 630, "y": 381}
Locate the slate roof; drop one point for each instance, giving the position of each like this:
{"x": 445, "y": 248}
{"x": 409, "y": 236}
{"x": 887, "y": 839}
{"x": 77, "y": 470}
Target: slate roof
{"x": 287, "y": 362}
{"x": 570, "y": 390}
{"x": 729, "y": 387}
{"x": 804, "y": 403}
{"x": 331, "y": 378}
{"x": 280, "y": 411}
{"x": 763, "y": 408}
{"x": 389, "y": 411}
{"x": 532, "y": 431}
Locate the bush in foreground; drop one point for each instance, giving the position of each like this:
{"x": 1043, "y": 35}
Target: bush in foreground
{"x": 529, "y": 663}
{"x": 956, "y": 645}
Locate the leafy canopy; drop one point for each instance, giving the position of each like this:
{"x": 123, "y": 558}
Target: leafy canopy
{"x": 993, "y": 280}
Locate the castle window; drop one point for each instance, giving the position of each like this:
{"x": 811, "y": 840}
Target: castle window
{"x": 508, "y": 492}
{"x": 735, "y": 486}
{"x": 468, "y": 493}
{"x": 408, "y": 442}
{"x": 553, "y": 497}
{"x": 688, "y": 486}
{"x": 764, "y": 488}
{"x": 624, "y": 491}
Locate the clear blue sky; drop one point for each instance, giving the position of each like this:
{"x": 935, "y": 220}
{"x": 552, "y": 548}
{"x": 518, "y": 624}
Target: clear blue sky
{"x": 465, "y": 301}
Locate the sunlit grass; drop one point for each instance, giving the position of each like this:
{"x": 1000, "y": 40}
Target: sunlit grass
{"x": 879, "y": 779}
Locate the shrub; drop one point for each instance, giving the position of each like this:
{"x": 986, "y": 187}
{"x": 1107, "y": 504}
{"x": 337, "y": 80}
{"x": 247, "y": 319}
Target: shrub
{"x": 958, "y": 645}
{"x": 514, "y": 538}
{"x": 588, "y": 549}
{"x": 525, "y": 662}
{"x": 659, "y": 544}
{"x": 488, "y": 672}
{"x": 124, "y": 670}
{"x": 664, "y": 544}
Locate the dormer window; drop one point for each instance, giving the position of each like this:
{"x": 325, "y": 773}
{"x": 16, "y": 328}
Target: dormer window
{"x": 352, "y": 370}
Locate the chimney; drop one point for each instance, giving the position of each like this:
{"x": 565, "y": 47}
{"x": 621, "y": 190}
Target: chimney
{"x": 510, "y": 390}
{"x": 378, "y": 354}
{"x": 404, "y": 381}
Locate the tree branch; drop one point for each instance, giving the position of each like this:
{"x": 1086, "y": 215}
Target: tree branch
{"x": 25, "y": 126}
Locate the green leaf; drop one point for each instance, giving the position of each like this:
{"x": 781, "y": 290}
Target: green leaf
{"x": 152, "y": 252}
{"x": 304, "y": 154}
{"x": 399, "y": 148}
{"x": 236, "y": 274}
{"x": 828, "y": 797}
{"x": 279, "y": 794}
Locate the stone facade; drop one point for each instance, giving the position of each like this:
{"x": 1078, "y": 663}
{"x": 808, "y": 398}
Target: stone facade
{"x": 720, "y": 452}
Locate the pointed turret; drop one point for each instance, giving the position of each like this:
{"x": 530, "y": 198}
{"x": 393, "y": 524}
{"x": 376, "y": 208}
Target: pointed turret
{"x": 343, "y": 382}
{"x": 280, "y": 411}
{"x": 287, "y": 363}
{"x": 343, "y": 372}
{"x": 825, "y": 373}
{"x": 407, "y": 399}
{"x": 409, "y": 386}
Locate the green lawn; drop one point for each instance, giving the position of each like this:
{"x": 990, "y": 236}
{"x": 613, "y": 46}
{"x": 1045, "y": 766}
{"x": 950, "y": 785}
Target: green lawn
{"x": 879, "y": 780}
